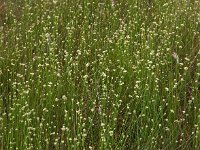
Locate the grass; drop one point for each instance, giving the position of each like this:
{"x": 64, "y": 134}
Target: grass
{"x": 100, "y": 75}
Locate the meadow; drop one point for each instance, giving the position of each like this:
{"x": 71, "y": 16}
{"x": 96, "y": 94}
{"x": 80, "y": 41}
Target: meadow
{"x": 100, "y": 75}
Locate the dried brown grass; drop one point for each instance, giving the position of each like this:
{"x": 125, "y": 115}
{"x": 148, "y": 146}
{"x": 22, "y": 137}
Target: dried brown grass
{"x": 3, "y": 8}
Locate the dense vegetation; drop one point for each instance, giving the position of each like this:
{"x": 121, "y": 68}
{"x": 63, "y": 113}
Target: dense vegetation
{"x": 93, "y": 74}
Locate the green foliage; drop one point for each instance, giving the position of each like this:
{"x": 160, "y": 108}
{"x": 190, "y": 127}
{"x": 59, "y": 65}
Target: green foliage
{"x": 79, "y": 74}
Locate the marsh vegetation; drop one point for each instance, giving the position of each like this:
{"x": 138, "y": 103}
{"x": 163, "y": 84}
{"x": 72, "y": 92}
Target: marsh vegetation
{"x": 90, "y": 74}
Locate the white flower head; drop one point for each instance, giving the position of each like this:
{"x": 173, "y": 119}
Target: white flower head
{"x": 175, "y": 56}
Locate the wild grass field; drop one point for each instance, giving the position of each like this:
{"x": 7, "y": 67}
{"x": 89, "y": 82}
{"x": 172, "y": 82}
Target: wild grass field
{"x": 100, "y": 75}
